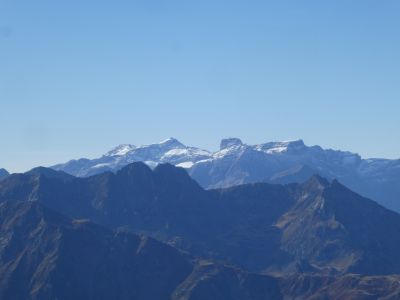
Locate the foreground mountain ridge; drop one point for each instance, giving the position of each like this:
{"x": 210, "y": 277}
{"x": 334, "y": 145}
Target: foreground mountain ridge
{"x": 319, "y": 226}
{"x": 238, "y": 163}
{"x": 45, "y": 255}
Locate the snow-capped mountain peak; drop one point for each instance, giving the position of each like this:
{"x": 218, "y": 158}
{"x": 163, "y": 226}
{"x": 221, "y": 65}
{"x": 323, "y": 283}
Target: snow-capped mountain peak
{"x": 282, "y": 147}
{"x": 238, "y": 163}
{"x": 171, "y": 143}
{"x": 121, "y": 150}
{"x": 127, "y": 149}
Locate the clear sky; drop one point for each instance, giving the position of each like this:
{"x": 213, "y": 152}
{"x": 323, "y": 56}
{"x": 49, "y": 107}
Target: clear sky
{"x": 79, "y": 77}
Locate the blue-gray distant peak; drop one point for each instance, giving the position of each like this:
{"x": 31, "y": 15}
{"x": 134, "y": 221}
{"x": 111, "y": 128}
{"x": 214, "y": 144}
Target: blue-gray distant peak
{"x": 121, "y": 150}
{"x": 229, "y": 142}
{"x": 127, "y": 149}
{"x": 172, "y": 142}
{"x": 4, "y": 173}
{"x": 49, "y": 173}
{"x": 280, "y": 147}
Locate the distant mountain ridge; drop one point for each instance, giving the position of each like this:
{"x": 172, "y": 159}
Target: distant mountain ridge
{"x": 168, "y": 151}
{"x": 3, "y": 173}
{"x": 237, "y": 163}
{"x": 317, "y": 226}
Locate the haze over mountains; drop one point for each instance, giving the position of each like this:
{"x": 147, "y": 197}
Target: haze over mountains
{"x": 275, "y": 162}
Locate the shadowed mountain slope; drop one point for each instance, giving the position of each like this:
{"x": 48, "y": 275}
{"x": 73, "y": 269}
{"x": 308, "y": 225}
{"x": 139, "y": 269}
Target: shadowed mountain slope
{"x": 44, "y": 255}
{"x": 317, "y": 226}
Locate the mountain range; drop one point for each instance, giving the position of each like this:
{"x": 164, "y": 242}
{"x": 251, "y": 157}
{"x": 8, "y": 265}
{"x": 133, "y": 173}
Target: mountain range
{"x": 167, "y": 221}
{"x": 318, "y": 226}
{"x": 45, "y": 255}
{"x": 274, "y": 162}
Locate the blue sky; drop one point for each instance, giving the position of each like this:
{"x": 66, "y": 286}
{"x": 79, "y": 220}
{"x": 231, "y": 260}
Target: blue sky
{"x": 79, "y": 77}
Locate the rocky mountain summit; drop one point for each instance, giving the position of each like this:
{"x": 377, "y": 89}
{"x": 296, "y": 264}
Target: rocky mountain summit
{"x": 238, "y": 163}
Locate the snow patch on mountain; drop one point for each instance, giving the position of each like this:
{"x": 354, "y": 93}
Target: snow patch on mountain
{"x": 237, "y": 163}
{"x": 229, "y": 142}
{"x": 281, "y": 147}
{"x": 186, "y": 165}
{"x": 121, "y": 150}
